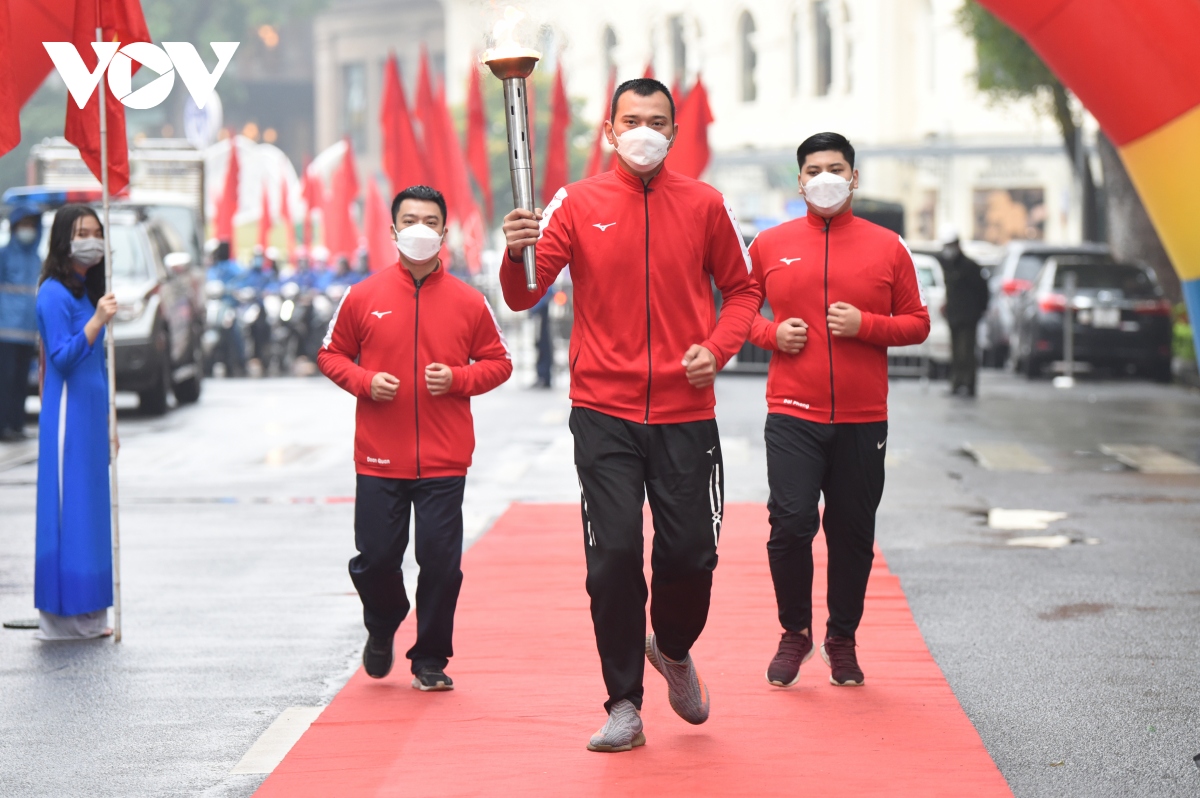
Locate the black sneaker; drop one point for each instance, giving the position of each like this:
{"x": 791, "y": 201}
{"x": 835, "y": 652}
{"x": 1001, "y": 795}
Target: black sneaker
{"x": 795, "y": 649}
{"x": 431, "y": 679}
{"x": 838, "y": 653}
{"x": 377, "y": 656}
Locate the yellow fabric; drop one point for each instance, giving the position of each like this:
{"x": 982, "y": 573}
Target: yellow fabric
{"x": 1165, "y": 168}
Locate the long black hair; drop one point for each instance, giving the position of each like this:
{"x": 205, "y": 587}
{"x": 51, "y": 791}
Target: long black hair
{"x": 58, "y": 259}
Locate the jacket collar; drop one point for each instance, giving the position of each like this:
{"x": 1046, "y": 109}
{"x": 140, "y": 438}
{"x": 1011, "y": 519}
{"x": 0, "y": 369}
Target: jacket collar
{"x": 841, "y": 220}
{"x": 635, "y": 182}
{"x": 433, "y": 277}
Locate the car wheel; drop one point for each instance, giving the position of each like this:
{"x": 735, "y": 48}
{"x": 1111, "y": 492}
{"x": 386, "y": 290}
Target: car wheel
{"x": 153, "y": 402}
{"x": 188, "y": 391}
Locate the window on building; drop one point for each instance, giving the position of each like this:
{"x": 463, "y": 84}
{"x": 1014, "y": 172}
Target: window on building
{"x": 354, "y": 104}
{"x": 823, "y": 36}
{"x": 749, "y": 57}
{"x": 678, "y": 53}
{"x": 610, "y": 50}
{"x": 796, "y": 49}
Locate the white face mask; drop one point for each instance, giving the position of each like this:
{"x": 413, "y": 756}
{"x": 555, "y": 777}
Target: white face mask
{"x": 419, "y": 243}
{"x": 88, "y": 251}
{"x": 827, "y": 192}
{"x": 643, "y": 148}
{"x": 26, "y": 235}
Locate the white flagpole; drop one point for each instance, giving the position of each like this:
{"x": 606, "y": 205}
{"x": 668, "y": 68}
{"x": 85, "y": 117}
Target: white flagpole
{"x": 111, "y": 356}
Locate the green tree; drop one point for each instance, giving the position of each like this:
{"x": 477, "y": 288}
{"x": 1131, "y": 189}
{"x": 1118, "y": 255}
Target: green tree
{"x": 1010, "y": 69}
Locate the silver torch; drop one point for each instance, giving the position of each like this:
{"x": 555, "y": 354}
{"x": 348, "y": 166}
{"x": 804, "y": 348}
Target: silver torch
{"x": 513, "y": 64}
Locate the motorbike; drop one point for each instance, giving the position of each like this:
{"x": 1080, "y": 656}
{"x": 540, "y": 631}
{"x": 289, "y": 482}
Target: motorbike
{"x": 222, "y": 340}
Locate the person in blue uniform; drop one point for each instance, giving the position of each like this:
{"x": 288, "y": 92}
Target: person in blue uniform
{"x": 73, "y": 575}
{"x": 19, "y": 268}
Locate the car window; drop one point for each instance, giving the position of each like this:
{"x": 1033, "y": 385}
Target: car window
{"x": 1028, "y": 266}
{"x": 1129, "y": 280}
{"x": 925, "y": 275}
{"x": 129, "y": 256}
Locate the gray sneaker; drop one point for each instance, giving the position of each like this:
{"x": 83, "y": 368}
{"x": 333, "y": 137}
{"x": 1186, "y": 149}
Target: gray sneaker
{"x": 686, "y": 691}
{"x": 622, "y": 732}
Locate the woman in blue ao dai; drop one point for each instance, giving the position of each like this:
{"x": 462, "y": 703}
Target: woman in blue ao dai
{"x": 73, "y": 574}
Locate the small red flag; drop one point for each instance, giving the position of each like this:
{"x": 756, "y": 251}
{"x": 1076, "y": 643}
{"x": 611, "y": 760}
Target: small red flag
{"x": 432, "y": 134}
{"x": 557, "y": 172}
{"x": 381, "y": 251}
{"x": 264, "y": 220}
{"x": 313, "y": 194}
{"x": 402, "y": 158}
{"x": 227, "y": 205}
{"x": 477, "y": 153}
{"x": 341, "y": 233}
{"x": 691, "y": 154}
{"x": 649, "y": 73}
{"x": 285, "y": 215}
{"x": 596, "y": 160}
{"x": 120, "y": 21}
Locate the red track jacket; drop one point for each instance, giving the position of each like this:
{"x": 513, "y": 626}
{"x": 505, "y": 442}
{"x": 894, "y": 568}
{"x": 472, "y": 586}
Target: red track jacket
{"x": 808, "y": 264}
{"x": 388, "y": 323}
{"x": 642, "y": 261}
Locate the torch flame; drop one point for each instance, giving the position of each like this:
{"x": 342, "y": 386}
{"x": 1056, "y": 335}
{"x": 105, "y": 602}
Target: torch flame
{"x": 504, "y": 36}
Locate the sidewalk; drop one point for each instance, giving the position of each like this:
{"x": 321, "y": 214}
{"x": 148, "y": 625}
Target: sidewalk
{"x": 529, "y": 695}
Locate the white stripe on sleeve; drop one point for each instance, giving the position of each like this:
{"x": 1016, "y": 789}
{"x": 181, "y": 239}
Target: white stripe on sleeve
{"x": 737, "y": 231}
{"x": 329, "y": 333}
{"x": 554, "y": 205}
{"x": 500, "y": 332}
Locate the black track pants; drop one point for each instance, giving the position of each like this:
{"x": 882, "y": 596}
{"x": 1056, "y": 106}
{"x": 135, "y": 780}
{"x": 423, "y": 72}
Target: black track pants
{"x": 381, "y": 514}
{"x": 845, "y": 462}
{"x": 678, "y": 467}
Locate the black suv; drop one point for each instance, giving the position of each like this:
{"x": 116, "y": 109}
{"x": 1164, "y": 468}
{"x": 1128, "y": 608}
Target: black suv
{"x": 1121, "y": 319}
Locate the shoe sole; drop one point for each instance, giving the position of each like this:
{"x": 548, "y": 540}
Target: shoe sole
{"x": 835, "y": 682}
{"x": 792, "y": 683}
{"x": 437, "y": 688}
{"x": 653, "y": 657}
{"x": 638, "y": 740}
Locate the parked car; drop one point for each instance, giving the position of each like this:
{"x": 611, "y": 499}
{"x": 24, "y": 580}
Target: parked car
{"x": 931, "y": 358}
{"x": 160, "y": 312}
{"x": 1022, "y": 262}
{"x": 1121, "y": 319}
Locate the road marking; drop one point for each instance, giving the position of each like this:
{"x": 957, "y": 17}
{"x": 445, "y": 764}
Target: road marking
{"x": 1041, "y": 542}
{"x": 1006, "y": 457}
{"x": 1150, "y": 459}
{"x": 272, "y": 746}
{"x": 1013, "y": 520}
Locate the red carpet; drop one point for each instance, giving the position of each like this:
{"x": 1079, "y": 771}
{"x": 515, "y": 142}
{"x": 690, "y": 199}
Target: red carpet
{"x": 529, "y": 695}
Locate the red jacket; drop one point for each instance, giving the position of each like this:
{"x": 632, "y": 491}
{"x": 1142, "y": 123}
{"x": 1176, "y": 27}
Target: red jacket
{"x": 808, "y": 264}
{"x": 642, "y": 259}
{"x": 388, "y": 323}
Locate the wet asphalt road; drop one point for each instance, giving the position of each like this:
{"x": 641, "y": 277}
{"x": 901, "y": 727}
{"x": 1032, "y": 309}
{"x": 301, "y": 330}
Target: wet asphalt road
{"x": 1077, "y": 665}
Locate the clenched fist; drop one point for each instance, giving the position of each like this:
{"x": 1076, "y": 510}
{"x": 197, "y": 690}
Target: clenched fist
{"x": 791, "y": 336}
{"x": 384, "y": 387}
{"x": 521, "y": 229}
{"x": 844, "y": 320}
{"x": 438, "y": 378}
{"x": 701, "y": 366}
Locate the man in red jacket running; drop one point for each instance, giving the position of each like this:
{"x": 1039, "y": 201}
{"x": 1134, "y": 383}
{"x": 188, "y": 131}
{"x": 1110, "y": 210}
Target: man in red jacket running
{"x": 644, "y": 245}
{"x": 843, "y": 291}
{"x": 414, "y": 344}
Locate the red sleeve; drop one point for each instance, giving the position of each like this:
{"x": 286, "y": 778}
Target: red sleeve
{"x": 729, "y": 263}
{"x": 553, "y": 254}
{"x": 340, "y": 349}
{"x": 491, "y": 362}
{"x": 763, "y": 331}
{"x": 909, "y": 322}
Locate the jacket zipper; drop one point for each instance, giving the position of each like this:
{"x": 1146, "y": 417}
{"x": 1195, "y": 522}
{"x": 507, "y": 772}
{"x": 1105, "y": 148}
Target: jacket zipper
{"x": 828, "y": 335}
{"x": 416, "y": 383}
{"x": 649, "y": 354}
